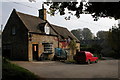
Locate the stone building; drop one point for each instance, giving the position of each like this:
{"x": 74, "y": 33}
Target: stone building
{"x": 27, "y": 37}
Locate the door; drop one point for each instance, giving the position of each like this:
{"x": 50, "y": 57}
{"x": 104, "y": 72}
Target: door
{"x": 6, "y": 51}
{"x": 35, "y": 51}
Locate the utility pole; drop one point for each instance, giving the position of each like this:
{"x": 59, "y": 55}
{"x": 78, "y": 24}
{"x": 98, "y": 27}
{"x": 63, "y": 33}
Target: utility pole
{"x": 1, "y": 50}
{"x": 119, "y": 23}
{"x": 1, "y": 27}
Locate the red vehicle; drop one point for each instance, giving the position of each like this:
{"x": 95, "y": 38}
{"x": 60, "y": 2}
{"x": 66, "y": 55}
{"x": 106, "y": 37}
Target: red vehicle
{"x": 85, "y": 57}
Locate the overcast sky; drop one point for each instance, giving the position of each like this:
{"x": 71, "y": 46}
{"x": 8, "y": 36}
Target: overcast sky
{"x": 85, "y": 21}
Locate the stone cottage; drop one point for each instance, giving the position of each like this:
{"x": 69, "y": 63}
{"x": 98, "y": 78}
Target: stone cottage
{"x": 27, "y": 37}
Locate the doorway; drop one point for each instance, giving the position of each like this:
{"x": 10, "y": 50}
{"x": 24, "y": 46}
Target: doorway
{"x": 6, "y": 51}
{"x": 35, "y": 51}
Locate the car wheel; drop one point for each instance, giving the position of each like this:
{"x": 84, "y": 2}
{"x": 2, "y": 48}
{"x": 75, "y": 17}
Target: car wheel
{"x": 88, "y": 62}
{"x": 96, "y": 61}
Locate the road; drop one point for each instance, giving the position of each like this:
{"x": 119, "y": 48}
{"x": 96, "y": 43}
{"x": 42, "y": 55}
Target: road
{"x": 52, "y": 69}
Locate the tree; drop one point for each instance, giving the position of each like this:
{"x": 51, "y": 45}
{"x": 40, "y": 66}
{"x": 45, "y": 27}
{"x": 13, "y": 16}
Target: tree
{"x": 102, "y": 35}
{"x": 96, "y": 9}
{"x": 78, "y": 34}
{"x": 114, "y": 38}
{"x": 87, "y": 34}
{"x": 103, "y": 9}
{"x": 106, "y": 48}
{"x": 73, "y": 47}
{"x": 105, "y": 38}
{"x": 82, "y": 34}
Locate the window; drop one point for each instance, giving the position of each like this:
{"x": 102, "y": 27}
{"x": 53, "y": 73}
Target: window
{"x": 35, "y": 49}
{"x": 47, "y": 29}
{"x": 6, "y": 46}
{"x": 47, "y": 47}
{"x": 13, "y": 30}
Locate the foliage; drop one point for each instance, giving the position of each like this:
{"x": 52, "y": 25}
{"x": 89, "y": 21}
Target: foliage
{"x": 72, "y": 44}
{"x": 82, "y": 34}
{"x": 97, "y": 48}
{"x": 73, "y": 47}
{"x": 77, "y": 33}
{"x": 13, "y": 72}
{"x": 103, "y": 9}
{"x": 90, "y": 49}
{"x": 96, "y": 9}
{"x": 87, "y": 33}
{"x": 102, "y": 34}
{"x": 107, "y": 42}
{"x": 60, "y": 7}
{"x": 113, "y": 39}
{"x": 110, "y": 43}
{"x": 106, "y": 48}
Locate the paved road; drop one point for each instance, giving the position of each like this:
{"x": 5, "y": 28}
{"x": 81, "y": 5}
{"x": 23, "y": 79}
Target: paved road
{"x": 52, "y": 69}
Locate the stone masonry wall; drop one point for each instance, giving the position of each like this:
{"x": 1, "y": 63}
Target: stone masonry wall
{"x": 39, "y": 39}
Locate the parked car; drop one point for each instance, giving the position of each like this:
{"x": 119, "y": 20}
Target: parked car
{"x": 85, "y": 57}
{"x": 60, "y": 54}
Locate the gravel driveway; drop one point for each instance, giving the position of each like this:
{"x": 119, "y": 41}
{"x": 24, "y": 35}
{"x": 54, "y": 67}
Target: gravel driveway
{"x": 53, "y": 69}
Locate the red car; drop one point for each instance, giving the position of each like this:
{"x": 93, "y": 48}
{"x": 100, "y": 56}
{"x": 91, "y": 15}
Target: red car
{"x": 85, "y": 57}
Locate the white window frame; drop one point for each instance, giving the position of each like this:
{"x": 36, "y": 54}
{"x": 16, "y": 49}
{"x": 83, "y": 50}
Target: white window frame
{"x": 47, "y": 29}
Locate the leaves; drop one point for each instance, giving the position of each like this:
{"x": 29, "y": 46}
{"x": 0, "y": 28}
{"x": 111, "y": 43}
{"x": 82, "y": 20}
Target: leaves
{"x": 84, "y": 34}
{"x": 96, "y": 9}
{"x": 72, "y": 44}
{"x": 102, "y": 35}
{"x": 32, "y": 0}
{"x": 114, "y": 38}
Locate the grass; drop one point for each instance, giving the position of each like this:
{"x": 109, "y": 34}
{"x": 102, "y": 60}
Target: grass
{"x": 13, "y": 72}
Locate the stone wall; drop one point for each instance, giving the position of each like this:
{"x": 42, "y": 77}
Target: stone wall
{"x": 39, "y": 39}
{"x": 18, "y": 45}
{"x": 65, "y": 46}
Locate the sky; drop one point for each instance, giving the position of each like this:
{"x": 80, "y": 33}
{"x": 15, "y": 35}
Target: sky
{"x": 85, "y": 21}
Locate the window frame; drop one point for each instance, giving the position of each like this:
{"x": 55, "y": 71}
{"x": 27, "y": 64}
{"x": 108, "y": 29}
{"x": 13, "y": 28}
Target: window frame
{"x": 13, "y": 30}
{"x": 48, "y": 47}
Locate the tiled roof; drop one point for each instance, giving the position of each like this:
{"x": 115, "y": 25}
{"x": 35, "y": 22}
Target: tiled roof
{"x": 33, "y": 24}
{"x": 63, "y": 32}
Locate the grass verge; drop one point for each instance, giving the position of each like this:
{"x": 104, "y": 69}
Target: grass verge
{"x": 13, "y": 72}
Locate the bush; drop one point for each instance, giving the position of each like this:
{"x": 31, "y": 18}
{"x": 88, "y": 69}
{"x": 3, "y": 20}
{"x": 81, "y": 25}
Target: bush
{"x": 90, "y": 49}
{"x": 98, "y": 55}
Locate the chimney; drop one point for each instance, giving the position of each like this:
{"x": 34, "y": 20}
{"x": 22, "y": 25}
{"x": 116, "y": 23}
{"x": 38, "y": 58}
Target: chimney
{"x": 42, "y": 13}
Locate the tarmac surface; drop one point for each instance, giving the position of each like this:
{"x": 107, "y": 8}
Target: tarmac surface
{"x": 54, "y": 69}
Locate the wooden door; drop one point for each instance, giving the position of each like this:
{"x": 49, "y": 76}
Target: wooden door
{"x": 35, "y": 51}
